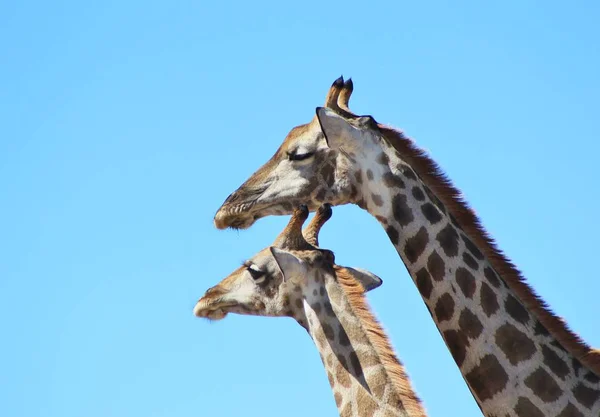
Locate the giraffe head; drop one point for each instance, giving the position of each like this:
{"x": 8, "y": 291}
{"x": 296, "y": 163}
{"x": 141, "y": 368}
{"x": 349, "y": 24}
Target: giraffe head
{"x": 308, "y": 168}
{"x": 271, "y": 282}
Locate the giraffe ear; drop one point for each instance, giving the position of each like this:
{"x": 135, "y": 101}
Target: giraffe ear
{"x": 367, "y": 279}
{"x": 336, "y": 129}
{"x": 290, "y": 266}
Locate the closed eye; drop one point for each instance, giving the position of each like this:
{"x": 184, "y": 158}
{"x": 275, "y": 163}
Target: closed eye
{"x": 256, "y": 274}
{"x": 293, "y": 156}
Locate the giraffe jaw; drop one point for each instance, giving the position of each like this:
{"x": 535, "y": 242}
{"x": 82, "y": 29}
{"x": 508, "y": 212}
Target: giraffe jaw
{"x": 243, "y": 216}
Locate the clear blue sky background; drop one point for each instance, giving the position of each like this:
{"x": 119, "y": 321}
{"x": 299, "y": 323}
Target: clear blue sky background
{"x": 124, "y": 125}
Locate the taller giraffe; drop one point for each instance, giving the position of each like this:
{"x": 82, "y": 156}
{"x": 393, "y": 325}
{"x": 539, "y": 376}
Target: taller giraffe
{"x": 517, "y": 357}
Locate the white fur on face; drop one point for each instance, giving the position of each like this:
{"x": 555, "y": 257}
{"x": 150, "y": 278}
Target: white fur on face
{"x": 292, "y": 178}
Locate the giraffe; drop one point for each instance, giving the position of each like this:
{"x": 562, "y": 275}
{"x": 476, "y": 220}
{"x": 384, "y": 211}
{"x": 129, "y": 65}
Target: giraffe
{"x": 295, "y": 278}
{"x": 516, "y": 356}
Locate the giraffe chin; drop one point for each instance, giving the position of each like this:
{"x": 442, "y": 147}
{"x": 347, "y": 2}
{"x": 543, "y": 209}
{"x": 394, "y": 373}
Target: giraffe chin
{"x": 216, "y": 315}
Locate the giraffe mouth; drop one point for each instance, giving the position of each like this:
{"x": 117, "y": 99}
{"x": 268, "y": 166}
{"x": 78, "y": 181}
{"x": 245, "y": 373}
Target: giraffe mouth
{"x": 234, "y": 218}
{"x": 213, "y": 310}
{"x": 243, "y": 216}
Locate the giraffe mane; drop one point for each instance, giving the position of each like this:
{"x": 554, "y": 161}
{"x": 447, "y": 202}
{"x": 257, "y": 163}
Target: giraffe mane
{"x": 378, "y": 339}
{"x": 433, "y": 176}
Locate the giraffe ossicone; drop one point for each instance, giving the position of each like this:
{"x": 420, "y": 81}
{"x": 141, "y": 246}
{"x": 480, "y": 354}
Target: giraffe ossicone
{"x": 295, "y": 278}
{"x": 516, "y": 356}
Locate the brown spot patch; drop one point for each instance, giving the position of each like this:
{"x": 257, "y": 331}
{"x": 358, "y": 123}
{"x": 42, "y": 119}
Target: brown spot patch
{"x": 381, "y": 219}
{"x": 434, "y": 199}
{"x": 457, "y": 345}
{"x": 329, "y": 333}
{"x": 393, "y": 234}
{"x": 470, "y": 261}
{"x": 515, "y": 344}
{"x": 491, "y": 276}
{"x": 448, "y": 239}
{"x": 525, "y": 408}
{"x": 539, "y": 329}
{"x": 436, "y": 267}
{"x": 466, "y": 281}
{"x": 377, "y": 200}
{"x": 472, "y": 248}
{"x": 327, "y": 172}
{"x": 424, "y": 284}
{"x": 402, "y": 213}
{"x": 416, "y": 245}
{"x": 358, "y": 177}
{"x": 543, "y": 385}
{"x": 585, "y": 395}
{"x": 570, "y": 411}
{"x": 431, "y": 213}
{"x": 369, "y": 175}
{"x": 489, "y": 301}
{"x": 392, "y": 181}
{"x": 407, "y": 171}
{"x": 516, "y": 309}
{"x": 592, "y": 377}
{"x": 488, "y": 378}
{"x": 455, "y": 222}
{"x": 444, "y": 308}
{"x": 418, "y": 193}
{"x": 338, "y": 398}
{"x": 469, "y": 324}
{"x": 330, "y": 377}
{"x": 555, "y": 363}
{"x": 320, "y": 196}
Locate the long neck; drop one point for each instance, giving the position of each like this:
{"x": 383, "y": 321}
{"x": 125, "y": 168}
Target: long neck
{"x": 511, "y": 351}
{"x": 364, "y": 374}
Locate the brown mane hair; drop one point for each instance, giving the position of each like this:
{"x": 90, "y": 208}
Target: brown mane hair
{"x": 378, "y": 339}
{"x": 442, "y": 187}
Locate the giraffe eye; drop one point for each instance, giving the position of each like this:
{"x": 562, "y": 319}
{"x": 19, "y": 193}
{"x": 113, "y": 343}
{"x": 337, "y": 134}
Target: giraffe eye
{"x": 293, "y": 156}
{"x": 256, "y": 274}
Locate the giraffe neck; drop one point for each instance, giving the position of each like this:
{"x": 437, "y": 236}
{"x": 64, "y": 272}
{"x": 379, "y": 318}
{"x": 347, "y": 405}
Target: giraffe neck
{"x": 509, "y": 359}
{"x": 365, "y": 376}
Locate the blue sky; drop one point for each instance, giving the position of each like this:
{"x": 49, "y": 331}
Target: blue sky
{"x": 124, "y": 125}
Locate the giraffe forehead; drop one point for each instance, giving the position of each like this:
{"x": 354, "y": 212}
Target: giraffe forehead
{"x": 261, "y": 261}
{"x": 304, "y": 135}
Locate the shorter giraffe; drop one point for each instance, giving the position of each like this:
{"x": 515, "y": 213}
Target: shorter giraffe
{"x": 295, "y": 278}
